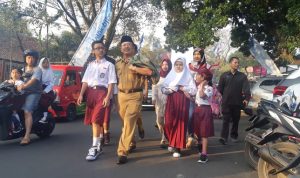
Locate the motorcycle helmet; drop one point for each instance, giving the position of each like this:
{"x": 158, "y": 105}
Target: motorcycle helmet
{"x": 33, "y": 53}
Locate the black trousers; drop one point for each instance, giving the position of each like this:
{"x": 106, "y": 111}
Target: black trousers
{"x": 230, "y": 113}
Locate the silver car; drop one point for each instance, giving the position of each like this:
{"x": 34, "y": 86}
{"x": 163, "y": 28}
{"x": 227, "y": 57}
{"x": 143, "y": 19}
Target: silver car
{"x": 263, "y": 88}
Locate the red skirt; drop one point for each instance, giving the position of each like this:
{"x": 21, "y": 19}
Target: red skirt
{"x": 203, "y": 121}
{"x": 176, "y": 119}
{"x": 95, "y": 111}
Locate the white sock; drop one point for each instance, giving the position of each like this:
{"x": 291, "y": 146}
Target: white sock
{"x": 45, "y": 114}
{"x": 101, "y": 136}
{"x": 96, "y": 141}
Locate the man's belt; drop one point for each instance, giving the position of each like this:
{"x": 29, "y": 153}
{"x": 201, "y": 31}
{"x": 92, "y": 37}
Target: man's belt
{"x": 98, "y": 87}
{"x": 131, "y": 90}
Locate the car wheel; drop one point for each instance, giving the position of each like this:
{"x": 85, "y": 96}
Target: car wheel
{"x": 71, "y": 112}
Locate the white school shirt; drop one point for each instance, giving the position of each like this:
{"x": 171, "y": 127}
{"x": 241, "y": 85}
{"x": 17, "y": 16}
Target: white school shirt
{"x": 208, "y": 91}
{"x": 100, "y": 73}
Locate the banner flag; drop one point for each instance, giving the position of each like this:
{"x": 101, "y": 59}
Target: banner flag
{"x": 96, "y": 32}
{"x": 140, "y": 44}
{"x": 263, "y": 58}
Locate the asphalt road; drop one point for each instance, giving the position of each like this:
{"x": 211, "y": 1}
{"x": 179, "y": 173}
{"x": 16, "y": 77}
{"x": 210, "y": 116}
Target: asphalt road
{"x": 63, "y": 156}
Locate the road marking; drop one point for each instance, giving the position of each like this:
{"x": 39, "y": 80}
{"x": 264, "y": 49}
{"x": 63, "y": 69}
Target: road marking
{"x": 226, "y": 153}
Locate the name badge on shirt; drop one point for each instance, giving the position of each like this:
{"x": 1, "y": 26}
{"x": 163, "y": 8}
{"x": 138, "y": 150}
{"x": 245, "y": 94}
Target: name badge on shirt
{"x": 102, "y": 75}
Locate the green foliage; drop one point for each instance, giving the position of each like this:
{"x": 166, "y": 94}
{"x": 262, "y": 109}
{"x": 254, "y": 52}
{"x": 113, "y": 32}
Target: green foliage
{"x": 194, "y": 23}
{"x": 61, "y": 48}
{"x": 11, "y": 18}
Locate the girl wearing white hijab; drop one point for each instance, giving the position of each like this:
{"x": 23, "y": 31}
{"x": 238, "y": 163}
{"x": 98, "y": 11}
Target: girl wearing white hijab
{"x": 47, "y": 83}
{"x": 179, "y": 85}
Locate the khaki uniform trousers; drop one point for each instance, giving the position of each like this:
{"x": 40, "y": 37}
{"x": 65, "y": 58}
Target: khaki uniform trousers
{"x": 130, "y": 105}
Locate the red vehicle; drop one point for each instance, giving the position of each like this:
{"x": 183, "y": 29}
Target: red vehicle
{"x": 67, "y": 86}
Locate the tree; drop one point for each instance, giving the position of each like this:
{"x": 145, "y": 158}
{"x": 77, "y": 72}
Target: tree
{"x": 126, "y": 13}
{"x": 62, "y": 47}
{"x": 11, "y": 22}
{"x": 194, "y": 23}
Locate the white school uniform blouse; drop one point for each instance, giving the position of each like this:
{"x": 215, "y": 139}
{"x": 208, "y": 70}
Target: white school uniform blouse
{"x": 100, "y": 73}
{"x": 208, "y": 91}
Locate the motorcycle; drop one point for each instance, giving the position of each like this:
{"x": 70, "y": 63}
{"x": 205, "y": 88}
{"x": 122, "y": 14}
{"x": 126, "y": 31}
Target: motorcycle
{"x": 258, "y": 124}
{"x": 278, "y": 156}
{"x": 10, "y": 126}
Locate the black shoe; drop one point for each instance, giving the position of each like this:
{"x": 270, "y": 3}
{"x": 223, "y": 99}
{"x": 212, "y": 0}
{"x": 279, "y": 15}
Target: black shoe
{"x": 234, "y": 140}
{"x": 141, "y": 133}
{"x": 222, "y": 141}
{"x": 131, "y": 148}
{"x": 106, "y": 138}
{"x": 122, "y": 160}
{"x": 203, "y": 159}
{"x": 163, "y": 145}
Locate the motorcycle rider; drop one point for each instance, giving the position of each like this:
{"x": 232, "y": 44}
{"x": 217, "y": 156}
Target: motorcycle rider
{"x": 33, "y": 89}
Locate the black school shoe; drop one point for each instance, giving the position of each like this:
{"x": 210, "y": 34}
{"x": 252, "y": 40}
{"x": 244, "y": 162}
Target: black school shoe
{"x": 122, "y": 160}
{"x": 203, "y": 158}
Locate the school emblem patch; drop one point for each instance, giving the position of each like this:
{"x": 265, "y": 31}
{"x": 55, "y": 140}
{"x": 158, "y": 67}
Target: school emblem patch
{"x": 102, "y": 75}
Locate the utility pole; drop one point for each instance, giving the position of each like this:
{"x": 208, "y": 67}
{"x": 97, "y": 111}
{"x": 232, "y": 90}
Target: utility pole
{"x": 47, "y": 27}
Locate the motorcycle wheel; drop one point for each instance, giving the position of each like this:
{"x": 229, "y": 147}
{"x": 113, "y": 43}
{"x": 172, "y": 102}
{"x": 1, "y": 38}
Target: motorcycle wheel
{"x": 251, "y": 152}
{"x": 47, "y": 128}
{"x": 290, "y": 150}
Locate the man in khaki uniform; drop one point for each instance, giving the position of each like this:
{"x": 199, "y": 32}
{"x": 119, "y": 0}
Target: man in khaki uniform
{"x": 130, "y": 95}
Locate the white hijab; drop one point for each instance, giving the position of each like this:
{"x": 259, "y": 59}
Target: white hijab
{"x": 48, "y": 76}
{"x": 183, "y": 78}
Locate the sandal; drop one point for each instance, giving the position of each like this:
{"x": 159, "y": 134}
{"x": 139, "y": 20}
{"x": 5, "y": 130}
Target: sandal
{"x": 25, "y": 141}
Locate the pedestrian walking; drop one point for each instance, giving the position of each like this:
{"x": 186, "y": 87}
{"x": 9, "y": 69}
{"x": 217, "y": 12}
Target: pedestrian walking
{"x": 198, "y": 63}
{"x": 106, "y": 122}
{"x": 179, "y": 86}
{"x": 235, "y": 91}
{"x": 130, "y": 95}
{"x": 202, "y": 116}
{"x": 159, "y": 99}
{"x": 98, "y": 82}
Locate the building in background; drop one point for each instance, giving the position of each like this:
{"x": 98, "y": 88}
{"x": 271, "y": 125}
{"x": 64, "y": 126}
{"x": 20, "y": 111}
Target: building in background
{"x": 11, "y": 53}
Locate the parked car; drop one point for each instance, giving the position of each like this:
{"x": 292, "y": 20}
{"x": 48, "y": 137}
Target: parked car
{"x": 291, "y": 79}
{"x": 147, "y": 102}
{"x": 263, "y": 88}
{"x": 67, "y": 86}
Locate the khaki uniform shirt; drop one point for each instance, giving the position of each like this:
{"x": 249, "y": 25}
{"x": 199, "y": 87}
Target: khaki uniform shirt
{"x": 127, "y": 78}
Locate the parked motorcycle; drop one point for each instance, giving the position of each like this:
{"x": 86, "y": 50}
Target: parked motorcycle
{"x": 11, "y": 127}
{"x": 258, "y": 124}
{"x": 277, "y": 158}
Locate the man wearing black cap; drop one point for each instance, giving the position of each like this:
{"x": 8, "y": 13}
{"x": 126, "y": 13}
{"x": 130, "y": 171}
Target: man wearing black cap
{"x": 130, "y": 96}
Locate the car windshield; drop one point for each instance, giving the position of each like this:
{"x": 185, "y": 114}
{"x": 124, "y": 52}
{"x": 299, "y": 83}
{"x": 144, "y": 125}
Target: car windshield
{"x": 57, "y": 77}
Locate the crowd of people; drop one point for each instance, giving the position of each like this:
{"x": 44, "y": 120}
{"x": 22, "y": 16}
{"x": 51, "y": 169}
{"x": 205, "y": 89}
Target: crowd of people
{"x": 182, "y": 98}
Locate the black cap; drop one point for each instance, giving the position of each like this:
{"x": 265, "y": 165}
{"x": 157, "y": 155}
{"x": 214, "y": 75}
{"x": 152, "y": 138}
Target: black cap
{"x": 126, "y": 38}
